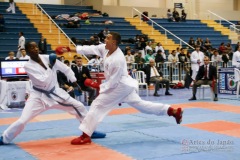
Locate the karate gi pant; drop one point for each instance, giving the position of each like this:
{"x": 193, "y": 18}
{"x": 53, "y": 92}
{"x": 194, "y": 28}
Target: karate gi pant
{"x": 35, "y": 106}
{"x": 105, "y": 102}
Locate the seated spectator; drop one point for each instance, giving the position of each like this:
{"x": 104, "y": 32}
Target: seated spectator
{"x": 216, "y": 57}
{"x": 199, "y": 43}
{"x": 63, "y": 81}
{"x": 24, "y": 55}
{"x": 108, "y": 22}
{"x": 96, "y": 64}
{"x": 106, "y": 32}
{"x": 160, "y": 57}
{"x": 101, "y": 36}
{"x": 62, "y": 58}
{"x": 129, "y": 59}
{"x": 229, "y": 50}
{"x": 84, "y": 16}
{"x": 184, "y": 16}
{"x": 176, "y": 15}
{"x": 155, "y": 76}
{"x": 207, "y": 44}
{"x": 221, "y": 48}
{"x": 191, "y": 42}
{"x": 62, "y": 16}
{"x": 2, "y": 23}
{"x": 72, "y": 24}
{"x": 11, "y": 56}
{"x": 170, "y": 16}
{"x": 149, "y": 46}
{"x": 160, "y": 47}
{"x": 209, "y": 53}
{"x": 139, "y": 60}
{"x": 11, "y": 6}
{"x": 149, "y": 56}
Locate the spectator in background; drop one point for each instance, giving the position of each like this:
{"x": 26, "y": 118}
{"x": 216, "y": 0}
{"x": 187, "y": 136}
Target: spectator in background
{"x": 82, "y": 73}
{"x": 96, "y": 64}
{"x": 106, "y": 32}
{"x": 159, "y": 47}
{"x": 149, "y": 56}
{"x": 11, "y": 6}
{"x": 196, "y": 61}
{"x": 236, "y": 47}
{"x": 24, "y": 55}
{"x": 153, "y": 74}
{"x": 173, "y": 58}
{"x": 139, "y": 60}
{"x": 222, "y": 48}
{"x": 62, "y": 59}
{"x": 216, "y": 57}
{"x": 207, "y": 44}
{"x": 225, "y": 59}
{"x": 191, "y": 42}
{"x": 209, "y": 53}
{"x": 176, "y": 15}
{"x": 142, "y": 45}
{"x": 182, "y": 57}
{"x": 63, "y": 81}
{"x": 170, "y": 16}
{"x": 129, "y": 59}
{"x": 2, "y": 23}
{"x": 21, "y": 44}
{"x": 149, "y": 46}
{"x": 11, "y": 56}
{"x": 101, "y": 36}
{"x": 199, "y": 43}
{"x": 229, "y": 50}
{"x": 236, "y": 58}
{"x": 160, "y": 57}
{"x": 184, "y": 16}
{"x": 42, "y": 45}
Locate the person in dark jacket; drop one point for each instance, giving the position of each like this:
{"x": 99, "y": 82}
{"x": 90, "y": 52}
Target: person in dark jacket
{"x": 82, "y": 73}
{"x": 42, "y": 45}
{"x": 207, "y": 74}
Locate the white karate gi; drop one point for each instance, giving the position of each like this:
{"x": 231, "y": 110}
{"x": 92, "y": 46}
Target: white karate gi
{"x": 119, "y": 87}
{"x": 236, "y": 59}
{"x": 39, "y": 102}
{"x": 21, "y": 44}
{"x": 195, "y": 56}
{"x": 11, "y": 7}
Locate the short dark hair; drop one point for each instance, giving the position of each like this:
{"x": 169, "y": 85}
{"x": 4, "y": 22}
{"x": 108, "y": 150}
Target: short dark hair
{"x": 79, "y": 58}
{"x": 66, "y": 61}
{"x": 116, "y": 36}
{"x": 27, "y": 45}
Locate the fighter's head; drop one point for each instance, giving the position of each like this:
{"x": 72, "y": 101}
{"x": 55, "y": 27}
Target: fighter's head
{"x": 32, "y": 49}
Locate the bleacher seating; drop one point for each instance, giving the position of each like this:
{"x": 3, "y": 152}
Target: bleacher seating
{"x": 15, "y": 23}
{"x": 191, "y": 28}
{"x": 86, "y": 30}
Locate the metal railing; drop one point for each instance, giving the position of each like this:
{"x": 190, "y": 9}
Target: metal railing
{"x": 165, "y": 30}
{"x": 51, "y": 21}
{"x": 232, "y": 26}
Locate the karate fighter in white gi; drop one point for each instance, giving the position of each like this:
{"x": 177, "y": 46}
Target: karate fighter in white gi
{"x": 45, "y": 93}
{"x": 119, "y": 87}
